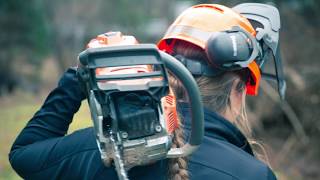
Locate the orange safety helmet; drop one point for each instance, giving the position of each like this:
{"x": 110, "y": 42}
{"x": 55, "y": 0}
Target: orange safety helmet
{"x": 196, "y": 24}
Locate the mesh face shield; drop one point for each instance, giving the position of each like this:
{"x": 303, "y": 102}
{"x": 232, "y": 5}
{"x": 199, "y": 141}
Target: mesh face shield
{"x": 266, "y": 20}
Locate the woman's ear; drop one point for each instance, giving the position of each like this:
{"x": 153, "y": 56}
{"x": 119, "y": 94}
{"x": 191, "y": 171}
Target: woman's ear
{"x": 237, "y": 95}
{"x": 236, "y": 101}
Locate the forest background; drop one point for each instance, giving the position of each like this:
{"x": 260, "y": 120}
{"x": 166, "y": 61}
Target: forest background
{"x": 40, "y": 39}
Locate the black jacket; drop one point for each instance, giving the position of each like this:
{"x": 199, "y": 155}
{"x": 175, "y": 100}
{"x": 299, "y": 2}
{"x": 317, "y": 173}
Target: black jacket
{"x": 44, "y": 151}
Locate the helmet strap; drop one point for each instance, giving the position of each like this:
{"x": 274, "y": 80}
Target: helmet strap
{"x": 198, "y": 67}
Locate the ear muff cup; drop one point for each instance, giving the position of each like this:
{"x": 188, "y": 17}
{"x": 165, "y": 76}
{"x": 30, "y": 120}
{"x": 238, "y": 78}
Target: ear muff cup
{"x": 231, "y": 50}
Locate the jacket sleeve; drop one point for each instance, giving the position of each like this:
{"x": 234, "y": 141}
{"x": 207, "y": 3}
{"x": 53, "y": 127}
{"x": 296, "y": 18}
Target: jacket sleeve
{"x": 28, "y": 152}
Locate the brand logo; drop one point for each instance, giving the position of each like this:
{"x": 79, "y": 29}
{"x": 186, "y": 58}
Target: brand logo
{"x": 234, "y": 45}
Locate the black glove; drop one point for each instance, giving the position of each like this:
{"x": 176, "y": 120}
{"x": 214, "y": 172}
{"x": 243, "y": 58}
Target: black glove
{"x": 70, "y": 81}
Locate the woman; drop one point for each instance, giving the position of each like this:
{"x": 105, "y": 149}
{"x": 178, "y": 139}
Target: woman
{"x": 42, "y": 150}
{"x": 199, "y": 38}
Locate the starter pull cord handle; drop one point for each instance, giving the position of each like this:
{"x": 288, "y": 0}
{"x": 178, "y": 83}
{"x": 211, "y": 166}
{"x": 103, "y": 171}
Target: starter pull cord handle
{"x": 197, "y": 115}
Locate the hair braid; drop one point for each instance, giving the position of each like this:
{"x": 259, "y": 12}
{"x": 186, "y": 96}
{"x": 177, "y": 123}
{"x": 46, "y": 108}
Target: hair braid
{"x": 178, "y": 166}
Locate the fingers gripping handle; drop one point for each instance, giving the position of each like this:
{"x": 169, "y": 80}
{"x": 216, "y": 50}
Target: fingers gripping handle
{"x": 197, "y": 115}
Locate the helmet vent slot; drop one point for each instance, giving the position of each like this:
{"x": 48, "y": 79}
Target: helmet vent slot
{"x": 208, "y": 6}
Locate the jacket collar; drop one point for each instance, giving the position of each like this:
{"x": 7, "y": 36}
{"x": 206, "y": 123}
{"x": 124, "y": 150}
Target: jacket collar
{"x": 217, "y": 127}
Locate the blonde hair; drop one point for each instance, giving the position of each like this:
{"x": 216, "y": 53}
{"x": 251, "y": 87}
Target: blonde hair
{"x": 216, "y": 92}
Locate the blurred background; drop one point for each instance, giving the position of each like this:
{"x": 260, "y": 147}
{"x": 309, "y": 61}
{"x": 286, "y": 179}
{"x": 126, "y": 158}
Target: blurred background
{"x": 40, "y": 39}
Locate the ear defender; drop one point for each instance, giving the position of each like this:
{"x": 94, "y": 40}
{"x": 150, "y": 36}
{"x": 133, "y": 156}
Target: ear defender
{"x": 232, "y": 49}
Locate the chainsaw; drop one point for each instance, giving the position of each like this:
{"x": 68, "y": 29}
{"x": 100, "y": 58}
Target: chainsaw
{"x": 132, "y": 106}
